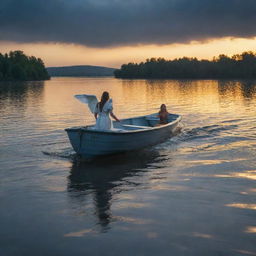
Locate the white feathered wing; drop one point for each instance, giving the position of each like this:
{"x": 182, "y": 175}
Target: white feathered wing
{"x": 90, "y": 100}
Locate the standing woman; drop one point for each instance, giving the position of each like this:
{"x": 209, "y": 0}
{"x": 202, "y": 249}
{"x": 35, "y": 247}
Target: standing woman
{"x": 102, "y": 111}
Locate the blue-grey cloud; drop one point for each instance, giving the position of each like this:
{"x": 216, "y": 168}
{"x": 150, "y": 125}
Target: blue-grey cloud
{"x": 102, "y": 23}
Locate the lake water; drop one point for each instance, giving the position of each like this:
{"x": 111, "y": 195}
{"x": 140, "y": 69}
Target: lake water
{"x": 192, "y": 195}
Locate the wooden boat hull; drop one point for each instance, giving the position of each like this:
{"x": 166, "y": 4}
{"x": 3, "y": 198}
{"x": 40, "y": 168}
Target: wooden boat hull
{"x": 90, "y": 143}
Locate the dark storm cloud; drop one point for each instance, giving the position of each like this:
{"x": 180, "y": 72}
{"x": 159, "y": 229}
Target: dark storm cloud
{"x": 123, "y": 22}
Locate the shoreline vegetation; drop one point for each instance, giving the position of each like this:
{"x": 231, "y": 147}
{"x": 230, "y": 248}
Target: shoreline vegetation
{"x": 16, "y": 66}
{"x": 239, "y": 66}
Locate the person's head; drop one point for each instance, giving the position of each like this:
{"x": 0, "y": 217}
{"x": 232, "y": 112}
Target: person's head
{"x": 104, "y": 99}
{"x": 163, "y": 108}
{"x": 105, "y": 96}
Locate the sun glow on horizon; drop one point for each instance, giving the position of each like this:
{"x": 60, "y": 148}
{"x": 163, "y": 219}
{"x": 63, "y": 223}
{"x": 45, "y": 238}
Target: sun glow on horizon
{"x": 60, "y": 54}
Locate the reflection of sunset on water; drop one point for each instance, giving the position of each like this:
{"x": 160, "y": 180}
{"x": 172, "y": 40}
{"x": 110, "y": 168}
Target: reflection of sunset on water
{"x": 193, "y": 193}
{"x": 139, "y": 97}
{"x": 246, "y": 174}
{"x": 243, "y": 206}
{"x": 198, "y": 185}
{"x": 250, "y": 230}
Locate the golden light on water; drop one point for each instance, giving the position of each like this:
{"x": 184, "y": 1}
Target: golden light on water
{"x": 246, "y": 174}
{"x": 130, "y": 220}
{"x": 243, "y": 206}
{"x": 81, "y": 233}
{"x": 136, "y": 221}
{"x": 245, "y": 252}
{"x": 137, "y": 97}
{"x": 214, "y": 162}
{"x": 251, "y": 229}
{"x": 135, "y": 205}
{"x": 201, "y": 235}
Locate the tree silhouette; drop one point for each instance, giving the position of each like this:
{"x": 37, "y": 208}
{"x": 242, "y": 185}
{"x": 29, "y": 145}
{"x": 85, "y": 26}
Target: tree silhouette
{"x": 239, "y": 66}
{"x": 17, "y": 66}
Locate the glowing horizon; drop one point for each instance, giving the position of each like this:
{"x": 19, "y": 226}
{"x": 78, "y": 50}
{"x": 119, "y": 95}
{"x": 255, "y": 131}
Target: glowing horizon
{"x": 59, "y": 54}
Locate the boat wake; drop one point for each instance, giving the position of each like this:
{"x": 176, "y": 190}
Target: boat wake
{"x": 205, "y": 134}
{"x": 66, "y": 153}
{"x": 199, "y": 137}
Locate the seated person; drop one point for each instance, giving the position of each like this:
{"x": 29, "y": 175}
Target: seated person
{"x": 163, "y": 115}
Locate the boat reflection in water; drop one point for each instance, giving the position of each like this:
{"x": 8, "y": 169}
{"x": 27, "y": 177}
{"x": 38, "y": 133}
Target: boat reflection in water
{"x": 107, "y": 178}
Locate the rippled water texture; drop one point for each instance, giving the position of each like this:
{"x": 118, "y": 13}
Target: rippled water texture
{"x": 192, "y": 195}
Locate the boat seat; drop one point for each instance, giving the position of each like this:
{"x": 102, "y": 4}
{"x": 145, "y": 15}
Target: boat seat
{"x": 135, "y": 126}
{"x": 116, "y": 130}
{"x": 152, "y": 118}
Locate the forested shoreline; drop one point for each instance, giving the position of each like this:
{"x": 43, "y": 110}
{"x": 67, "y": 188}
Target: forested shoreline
{"x": 239, "y": 66}
{"x": 16, "y": 66}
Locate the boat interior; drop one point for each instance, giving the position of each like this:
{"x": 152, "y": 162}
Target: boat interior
{"x": 137, "y": 123}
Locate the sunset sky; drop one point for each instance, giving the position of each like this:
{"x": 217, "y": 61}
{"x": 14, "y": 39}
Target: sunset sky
{"x": 112, "y": 32}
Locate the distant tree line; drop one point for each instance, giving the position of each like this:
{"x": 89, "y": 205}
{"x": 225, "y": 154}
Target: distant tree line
{"x": 17, "y": 66}
{"x": 239, "y": 66}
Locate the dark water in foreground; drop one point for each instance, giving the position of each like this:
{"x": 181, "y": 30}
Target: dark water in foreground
{"x": 192, "y": 195}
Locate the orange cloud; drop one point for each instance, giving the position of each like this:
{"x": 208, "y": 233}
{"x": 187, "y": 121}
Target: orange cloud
{"x": 58, "y": 54}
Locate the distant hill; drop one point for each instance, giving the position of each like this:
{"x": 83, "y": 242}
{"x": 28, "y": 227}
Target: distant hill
{"x": 84, "y": 70}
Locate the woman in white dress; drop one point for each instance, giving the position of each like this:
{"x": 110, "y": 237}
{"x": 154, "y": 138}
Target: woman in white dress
{"x": 103, "y": 110}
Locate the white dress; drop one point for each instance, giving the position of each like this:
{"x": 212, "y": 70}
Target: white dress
{"x": 103, "y": 121}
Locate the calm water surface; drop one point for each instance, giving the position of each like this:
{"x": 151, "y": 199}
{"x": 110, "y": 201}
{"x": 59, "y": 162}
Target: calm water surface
{"x": 192, "y": 195}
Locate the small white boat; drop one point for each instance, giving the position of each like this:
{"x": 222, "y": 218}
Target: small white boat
{"x": 129, "y": 134}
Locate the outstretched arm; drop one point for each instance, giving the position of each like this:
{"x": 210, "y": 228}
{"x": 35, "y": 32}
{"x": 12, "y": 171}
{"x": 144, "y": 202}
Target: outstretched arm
{"x": 113, "y": 116}
{"x": 96, "y": 110}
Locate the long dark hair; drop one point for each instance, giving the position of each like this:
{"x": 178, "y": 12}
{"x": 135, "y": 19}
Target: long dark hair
{"x": 163, "y": 108}
{"x": 104, "y": 99}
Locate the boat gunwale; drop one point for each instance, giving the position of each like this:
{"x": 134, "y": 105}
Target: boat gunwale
{"x": 77, "y": 129}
